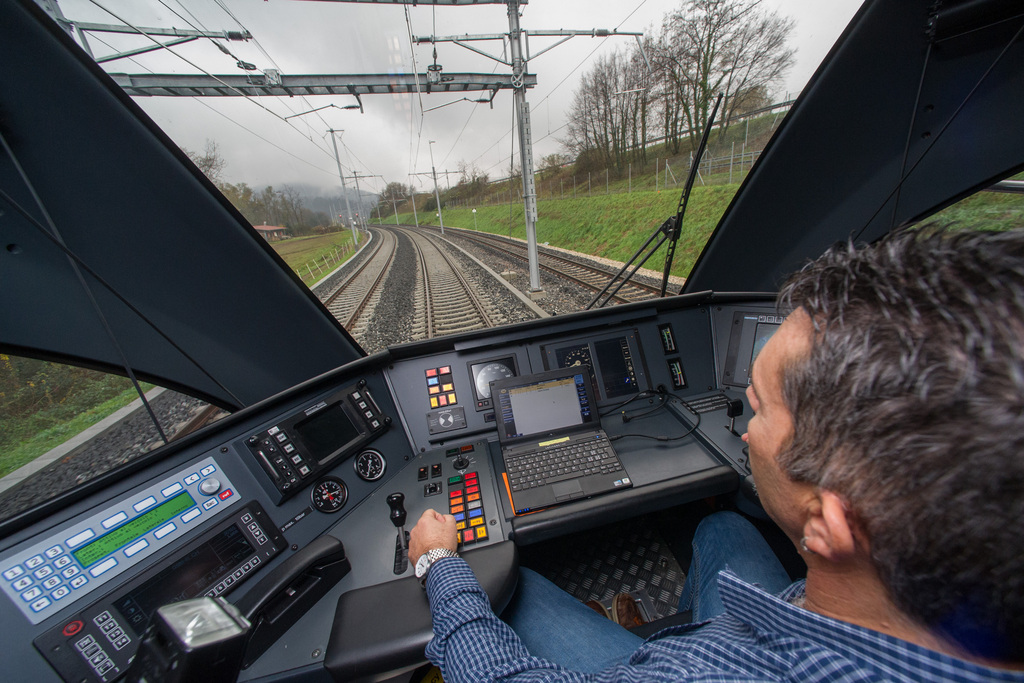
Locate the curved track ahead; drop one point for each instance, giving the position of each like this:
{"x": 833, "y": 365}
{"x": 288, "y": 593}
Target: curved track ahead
{"x": 351, "y": 301}
{"x": 591, "y": 277}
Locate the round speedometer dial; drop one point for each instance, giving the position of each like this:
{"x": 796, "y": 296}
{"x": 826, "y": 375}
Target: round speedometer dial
{"x": 370, "y": 465}
{"x": 329, "y": 494}
{"x": 489, "y": 373}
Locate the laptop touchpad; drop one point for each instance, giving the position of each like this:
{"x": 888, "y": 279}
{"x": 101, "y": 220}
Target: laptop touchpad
{"x": 565, "y": 490}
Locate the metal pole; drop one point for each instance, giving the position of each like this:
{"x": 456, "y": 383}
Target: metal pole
{"x": 525, "y": 142}
{"x": 412, "y": 189}
{"x": 437, "y": 197}
{"x": 348, "y": 207}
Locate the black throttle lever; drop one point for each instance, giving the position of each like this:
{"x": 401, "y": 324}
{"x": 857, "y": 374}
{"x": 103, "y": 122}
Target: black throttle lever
{"x": 396, "y": 501}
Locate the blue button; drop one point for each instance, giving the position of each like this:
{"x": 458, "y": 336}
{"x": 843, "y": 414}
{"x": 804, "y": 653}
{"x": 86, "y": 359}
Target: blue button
{"x": 476, "y": 513}
{"x": 461, "y": 517}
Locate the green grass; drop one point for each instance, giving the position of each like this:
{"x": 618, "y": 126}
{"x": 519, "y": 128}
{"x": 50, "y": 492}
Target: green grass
{"x": 301, "y": 252}
{"x": 611, "y": 226}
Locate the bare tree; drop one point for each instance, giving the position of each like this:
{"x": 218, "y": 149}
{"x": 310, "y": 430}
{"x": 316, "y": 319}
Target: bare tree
{"x": 210, "y": 162}
{"x": 733, "y": 47}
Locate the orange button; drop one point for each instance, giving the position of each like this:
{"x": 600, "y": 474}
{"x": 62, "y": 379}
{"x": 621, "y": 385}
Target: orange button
{"x": 460, "y": 525}
{"x": 456, "y": 500}
{"x": 433, "y": 390}
{"x": 476, "y": 521}
{"x": 481, "y": 533}
{"x": 458, "y": 537}
{"x": 456, "y": 509}
{"x": 468, "y": 536}
{"x": 470, "y": 498}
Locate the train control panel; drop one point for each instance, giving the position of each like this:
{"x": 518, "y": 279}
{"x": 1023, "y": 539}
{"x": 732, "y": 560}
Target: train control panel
{"x": 355, "y": 457}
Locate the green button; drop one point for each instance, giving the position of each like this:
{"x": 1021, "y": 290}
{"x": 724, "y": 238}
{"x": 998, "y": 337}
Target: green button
{"x": 455, "y": 480}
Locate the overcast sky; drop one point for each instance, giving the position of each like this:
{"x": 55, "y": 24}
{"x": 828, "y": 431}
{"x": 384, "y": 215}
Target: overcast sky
{"x": 390, "y": 138}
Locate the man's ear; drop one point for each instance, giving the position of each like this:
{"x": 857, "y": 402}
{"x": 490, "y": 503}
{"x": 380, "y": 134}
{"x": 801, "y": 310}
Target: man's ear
{"x": 829, "y": 531}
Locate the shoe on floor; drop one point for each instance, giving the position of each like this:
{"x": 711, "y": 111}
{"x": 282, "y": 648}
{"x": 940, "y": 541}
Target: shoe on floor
{"x": 599, "y": 608}
{"x": 625, "y": 612}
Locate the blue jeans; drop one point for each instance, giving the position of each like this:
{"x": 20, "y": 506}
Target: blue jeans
{"x": 556, "y": 626}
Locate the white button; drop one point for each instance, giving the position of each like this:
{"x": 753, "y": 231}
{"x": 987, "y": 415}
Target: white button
{"x": 43, "y": 572}
{"x": 22, "y": 583}
{"x": 190, "y": 515}
{"x": 54, "y": 551}
{"x": 273, "y": 430}
{"x": 164, "y": 530}
{"x": 104, "y": 566}
{"x": 34, "y": 562}
{"x": 62, "y": 562}
{"x": 51, "y": 582}
{"x": 140, "y": 544}
{"x": 210, "y": 503}
{"x": 69, "y": 572}
{"x": 191, "y": 479}
{"x": 79, "y": 581}
{"x": 60, "y": 592}
{"x": 13, "y": 573}
{"x": 40, "y": 604}
{"x": 171, "y": 490}
{"x": 208, "y": 470}
{"x": 288, "y": 448}
{"x": 143, "y": 504}
{"x": 115, "y": 520}
{"x": 80, "y": 538}
{"x": 31, "y": 594}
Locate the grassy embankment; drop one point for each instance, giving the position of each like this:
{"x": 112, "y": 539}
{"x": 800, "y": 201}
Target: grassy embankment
{"x": 306, "y": 255}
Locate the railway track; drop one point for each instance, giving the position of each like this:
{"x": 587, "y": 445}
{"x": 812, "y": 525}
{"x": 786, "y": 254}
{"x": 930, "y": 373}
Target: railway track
{"x": 351, "y": 301}
{"x": 446, "y": 301}
{"x": 590, "y": 277}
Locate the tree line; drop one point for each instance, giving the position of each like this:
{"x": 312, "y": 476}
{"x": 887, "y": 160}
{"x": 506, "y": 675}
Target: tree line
{"x": 666, "y": 90}
{"x": 284, "y": 207}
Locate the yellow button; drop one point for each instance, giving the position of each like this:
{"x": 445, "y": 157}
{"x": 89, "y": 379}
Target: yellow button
{"x": 476, "y": 521}
{"x": 447, "y": 387}
{"x": 481, "y": 533}
{"x": 433, "y": 401}
{"x": 458, "y": 537}
{"x": 460, "y": 525}
{"x": 451, "y": 398}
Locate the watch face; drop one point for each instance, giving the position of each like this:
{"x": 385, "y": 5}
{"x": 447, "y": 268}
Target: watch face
{"x": 422, "y": 565}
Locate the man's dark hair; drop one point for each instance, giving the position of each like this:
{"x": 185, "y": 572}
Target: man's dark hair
{"x": 910, "y": 406}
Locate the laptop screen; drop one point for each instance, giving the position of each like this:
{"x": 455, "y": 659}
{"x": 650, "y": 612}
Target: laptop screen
{"x": 545, "y": 403}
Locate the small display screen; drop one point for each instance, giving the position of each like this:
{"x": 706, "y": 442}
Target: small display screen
{"x": 762, "y": 333}
{"x": 188, "y": 577}
{"x": 326, "y": 431}
{"x": 617, "y": 375}
{"x": 89, "y": 554}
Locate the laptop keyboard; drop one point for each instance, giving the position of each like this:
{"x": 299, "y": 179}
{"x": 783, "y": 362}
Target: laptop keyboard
{"x": 558, "y": 464}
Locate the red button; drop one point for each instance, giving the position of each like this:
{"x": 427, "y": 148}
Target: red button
{"x": 446, "y": 370}
{"x": 455, "y": 493}
{"x": 432, "y": 372}
{"x": 73, "y": 627}
{"x": 225, "y": 494}
{"x": 468, "y": 536}
{"x": 472, "y": 489}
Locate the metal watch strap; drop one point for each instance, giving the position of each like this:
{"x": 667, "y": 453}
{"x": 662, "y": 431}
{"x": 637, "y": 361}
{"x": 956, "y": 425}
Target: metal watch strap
{"x": 433, "y": 555}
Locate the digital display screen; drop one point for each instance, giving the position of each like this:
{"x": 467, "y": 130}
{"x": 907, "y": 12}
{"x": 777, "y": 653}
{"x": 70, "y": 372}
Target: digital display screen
{"x": 542, "y": 407}
{"x": 326, "y": 431}
{"x": 187, "y": 577}
{"x": 617, "y": 375}
{"x": 89, "y": 554}
{"x": 762, "y": 333}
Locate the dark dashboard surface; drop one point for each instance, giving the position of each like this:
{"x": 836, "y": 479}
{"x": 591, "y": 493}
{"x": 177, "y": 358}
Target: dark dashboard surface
{"x": 236, "y": 501}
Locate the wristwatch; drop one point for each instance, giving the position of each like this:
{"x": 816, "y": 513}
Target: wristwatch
{"x": 429, "y": 558}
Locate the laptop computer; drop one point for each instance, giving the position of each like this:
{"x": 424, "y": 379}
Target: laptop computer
{"x": 551, "y": 439}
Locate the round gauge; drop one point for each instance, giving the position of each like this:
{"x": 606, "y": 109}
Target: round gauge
{"x": 329, "y": 494}
{"x": 577, "y": 356}
{"x": 370, "y": 465}
{"x": 488, "y": 373}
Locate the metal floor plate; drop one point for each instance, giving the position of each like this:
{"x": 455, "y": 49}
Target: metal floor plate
{"x": 629, "y": 557}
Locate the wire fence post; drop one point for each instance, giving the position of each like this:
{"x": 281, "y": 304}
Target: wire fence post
{"x": 657, "y": 169}
{"x": 630, "y": 178}
{"x": 732, "y": 155}
{"x": 606, "y": 186}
